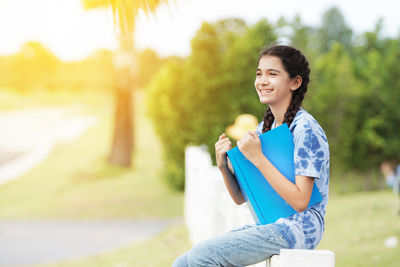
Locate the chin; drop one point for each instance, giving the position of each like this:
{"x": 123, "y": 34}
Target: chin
{"x": 264, "y": 101}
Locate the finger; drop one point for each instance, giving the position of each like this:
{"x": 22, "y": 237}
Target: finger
{"x": 245, "y": 138}
{"x": 253, "y": 134}
{"x": 223, "y": 150}
{"x": 221, "y": 146}
{"x": 223, "y": 141}
{"x": 222, "y": 136}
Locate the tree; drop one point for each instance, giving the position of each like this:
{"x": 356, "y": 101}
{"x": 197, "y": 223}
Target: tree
{"x": 124, "y": 13}
{"x": 333, "y": 29}
{"x": 33, "y": 68}
{"x": 149, "y": 63}
{"x": 334, "y": 99}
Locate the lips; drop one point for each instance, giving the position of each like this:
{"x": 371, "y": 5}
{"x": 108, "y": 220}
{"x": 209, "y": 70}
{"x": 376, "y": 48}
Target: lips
{"x": 265, "y": 91}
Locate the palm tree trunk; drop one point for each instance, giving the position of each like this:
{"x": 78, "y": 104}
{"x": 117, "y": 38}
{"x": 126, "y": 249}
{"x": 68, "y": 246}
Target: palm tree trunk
{"x": 122, "y": 144}
{"x": 123, "y": 139}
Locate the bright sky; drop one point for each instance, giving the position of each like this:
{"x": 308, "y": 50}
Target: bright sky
{"x": 72, "y": 33}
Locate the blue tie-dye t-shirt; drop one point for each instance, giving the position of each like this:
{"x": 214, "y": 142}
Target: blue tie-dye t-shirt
{"x": 304, "y": 230}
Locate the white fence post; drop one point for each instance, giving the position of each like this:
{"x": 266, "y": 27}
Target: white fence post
{"x": 209, "y": 210}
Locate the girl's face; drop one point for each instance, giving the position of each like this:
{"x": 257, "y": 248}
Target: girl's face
{"x": 273, "y": 84}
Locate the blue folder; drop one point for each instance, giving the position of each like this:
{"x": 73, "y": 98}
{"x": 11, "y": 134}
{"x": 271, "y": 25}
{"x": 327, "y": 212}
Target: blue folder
{"x": 265, "y": 204}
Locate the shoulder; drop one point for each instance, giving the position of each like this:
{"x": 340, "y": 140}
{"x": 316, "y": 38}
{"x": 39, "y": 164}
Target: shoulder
{"x": 305, "y": 125}
{"x": 311, "y": 149}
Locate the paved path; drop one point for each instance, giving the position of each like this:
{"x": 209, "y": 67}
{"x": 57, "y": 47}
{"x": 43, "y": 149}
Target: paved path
{"x": 27, "y": 136}
{"x": 24, "y": 243}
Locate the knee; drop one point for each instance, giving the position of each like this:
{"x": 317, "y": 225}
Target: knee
{"x": 181, "y": 261}
{"x": 201, "y": 256}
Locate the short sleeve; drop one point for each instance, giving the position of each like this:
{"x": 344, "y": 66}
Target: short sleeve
{"x": 310, "y": 153}
{"x": 260, "y": 128}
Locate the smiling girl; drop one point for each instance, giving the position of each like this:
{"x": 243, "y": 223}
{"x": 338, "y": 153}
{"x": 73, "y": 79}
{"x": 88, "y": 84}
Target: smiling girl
{"x": 281, "y": 82}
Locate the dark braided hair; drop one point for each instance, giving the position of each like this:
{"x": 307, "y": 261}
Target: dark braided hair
{"x": 295, "y": 63}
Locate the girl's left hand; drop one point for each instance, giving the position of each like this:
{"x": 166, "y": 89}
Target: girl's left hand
{"x": 250, "y": 146}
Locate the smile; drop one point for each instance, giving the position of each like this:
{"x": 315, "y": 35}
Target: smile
{"x": 265, "y": 91}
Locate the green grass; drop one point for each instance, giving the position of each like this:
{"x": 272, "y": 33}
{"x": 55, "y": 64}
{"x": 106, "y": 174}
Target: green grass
{"x": 76, "y": 182}
{"x": 357, "y": 225}
{"x": 351, "y": 181}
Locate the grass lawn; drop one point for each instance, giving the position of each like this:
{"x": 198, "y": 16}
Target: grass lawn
{"x": 357, "y": 225}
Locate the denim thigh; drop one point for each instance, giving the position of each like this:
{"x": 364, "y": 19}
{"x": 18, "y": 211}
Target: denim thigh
{"x": 244, "y": 246}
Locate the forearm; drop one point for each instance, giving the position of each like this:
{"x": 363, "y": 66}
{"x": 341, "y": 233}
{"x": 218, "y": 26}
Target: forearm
{"x": 289, "y": 191}
{"x": 232, "y": 185}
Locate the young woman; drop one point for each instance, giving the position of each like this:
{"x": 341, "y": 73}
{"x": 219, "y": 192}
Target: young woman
{"x": 281, "y": 82}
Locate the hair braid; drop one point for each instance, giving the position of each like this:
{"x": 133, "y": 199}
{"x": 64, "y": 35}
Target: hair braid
{"x": 294, "y": 106}
{"x": 295, "y": 63}
{"x": 268, "y": 120}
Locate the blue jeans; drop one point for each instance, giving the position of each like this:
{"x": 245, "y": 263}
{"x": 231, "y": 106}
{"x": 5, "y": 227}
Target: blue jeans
{"x": 244, "y": 246}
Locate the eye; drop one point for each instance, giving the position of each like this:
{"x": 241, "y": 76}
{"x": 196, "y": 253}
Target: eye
{"x": 258, "y": 73}
{"x": 273, "y": 74}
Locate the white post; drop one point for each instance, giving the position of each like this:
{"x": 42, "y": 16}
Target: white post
{"x": 209, "y": 210}
{"x": 302, "y": 258}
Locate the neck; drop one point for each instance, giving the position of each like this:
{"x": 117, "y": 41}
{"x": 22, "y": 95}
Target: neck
{"x": 279, "y": 113}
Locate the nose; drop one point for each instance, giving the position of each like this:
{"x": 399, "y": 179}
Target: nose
{"x": 264, "y": 80}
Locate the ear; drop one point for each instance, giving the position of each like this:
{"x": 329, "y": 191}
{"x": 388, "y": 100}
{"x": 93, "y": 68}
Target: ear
{"x": 296, "y": 83}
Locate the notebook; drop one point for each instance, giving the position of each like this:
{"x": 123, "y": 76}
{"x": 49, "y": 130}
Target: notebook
{"x": 265, "y": 204}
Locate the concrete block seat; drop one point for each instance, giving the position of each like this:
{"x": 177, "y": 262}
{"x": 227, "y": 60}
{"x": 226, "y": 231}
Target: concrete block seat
{"x": 302, "y": 258}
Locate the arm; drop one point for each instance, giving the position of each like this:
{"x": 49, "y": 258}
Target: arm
{"x": 221, "y": 146}
{"x": 297, "y": 195}
{"x": 232, "y": 185}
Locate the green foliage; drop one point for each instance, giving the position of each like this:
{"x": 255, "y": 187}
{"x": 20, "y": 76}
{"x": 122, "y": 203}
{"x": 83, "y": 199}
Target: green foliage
{"x": 95, "y": 73}
{"x": 378, "y": 70}
{"x": 36, "y": 69}
{"x": 34, "y": 65}
{"x": 333, "y": 98}
{"x": 149, "y": 63}
{"x": 333, "y": 29}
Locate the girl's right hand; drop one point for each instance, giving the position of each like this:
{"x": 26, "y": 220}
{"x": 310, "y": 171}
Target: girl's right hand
{"x": 221, "y": 147}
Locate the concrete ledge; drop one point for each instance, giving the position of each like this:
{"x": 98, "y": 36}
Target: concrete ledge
{"x": 302, "y": 258}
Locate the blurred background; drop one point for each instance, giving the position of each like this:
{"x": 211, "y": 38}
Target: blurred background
{"x": 100, "y": 98}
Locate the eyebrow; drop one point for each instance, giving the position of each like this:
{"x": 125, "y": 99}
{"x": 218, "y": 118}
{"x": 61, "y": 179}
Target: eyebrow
{"x": 270, "y": 70}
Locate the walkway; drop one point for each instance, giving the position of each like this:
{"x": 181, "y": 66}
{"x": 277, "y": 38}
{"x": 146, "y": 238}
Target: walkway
{"x": 32, "y": 242}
